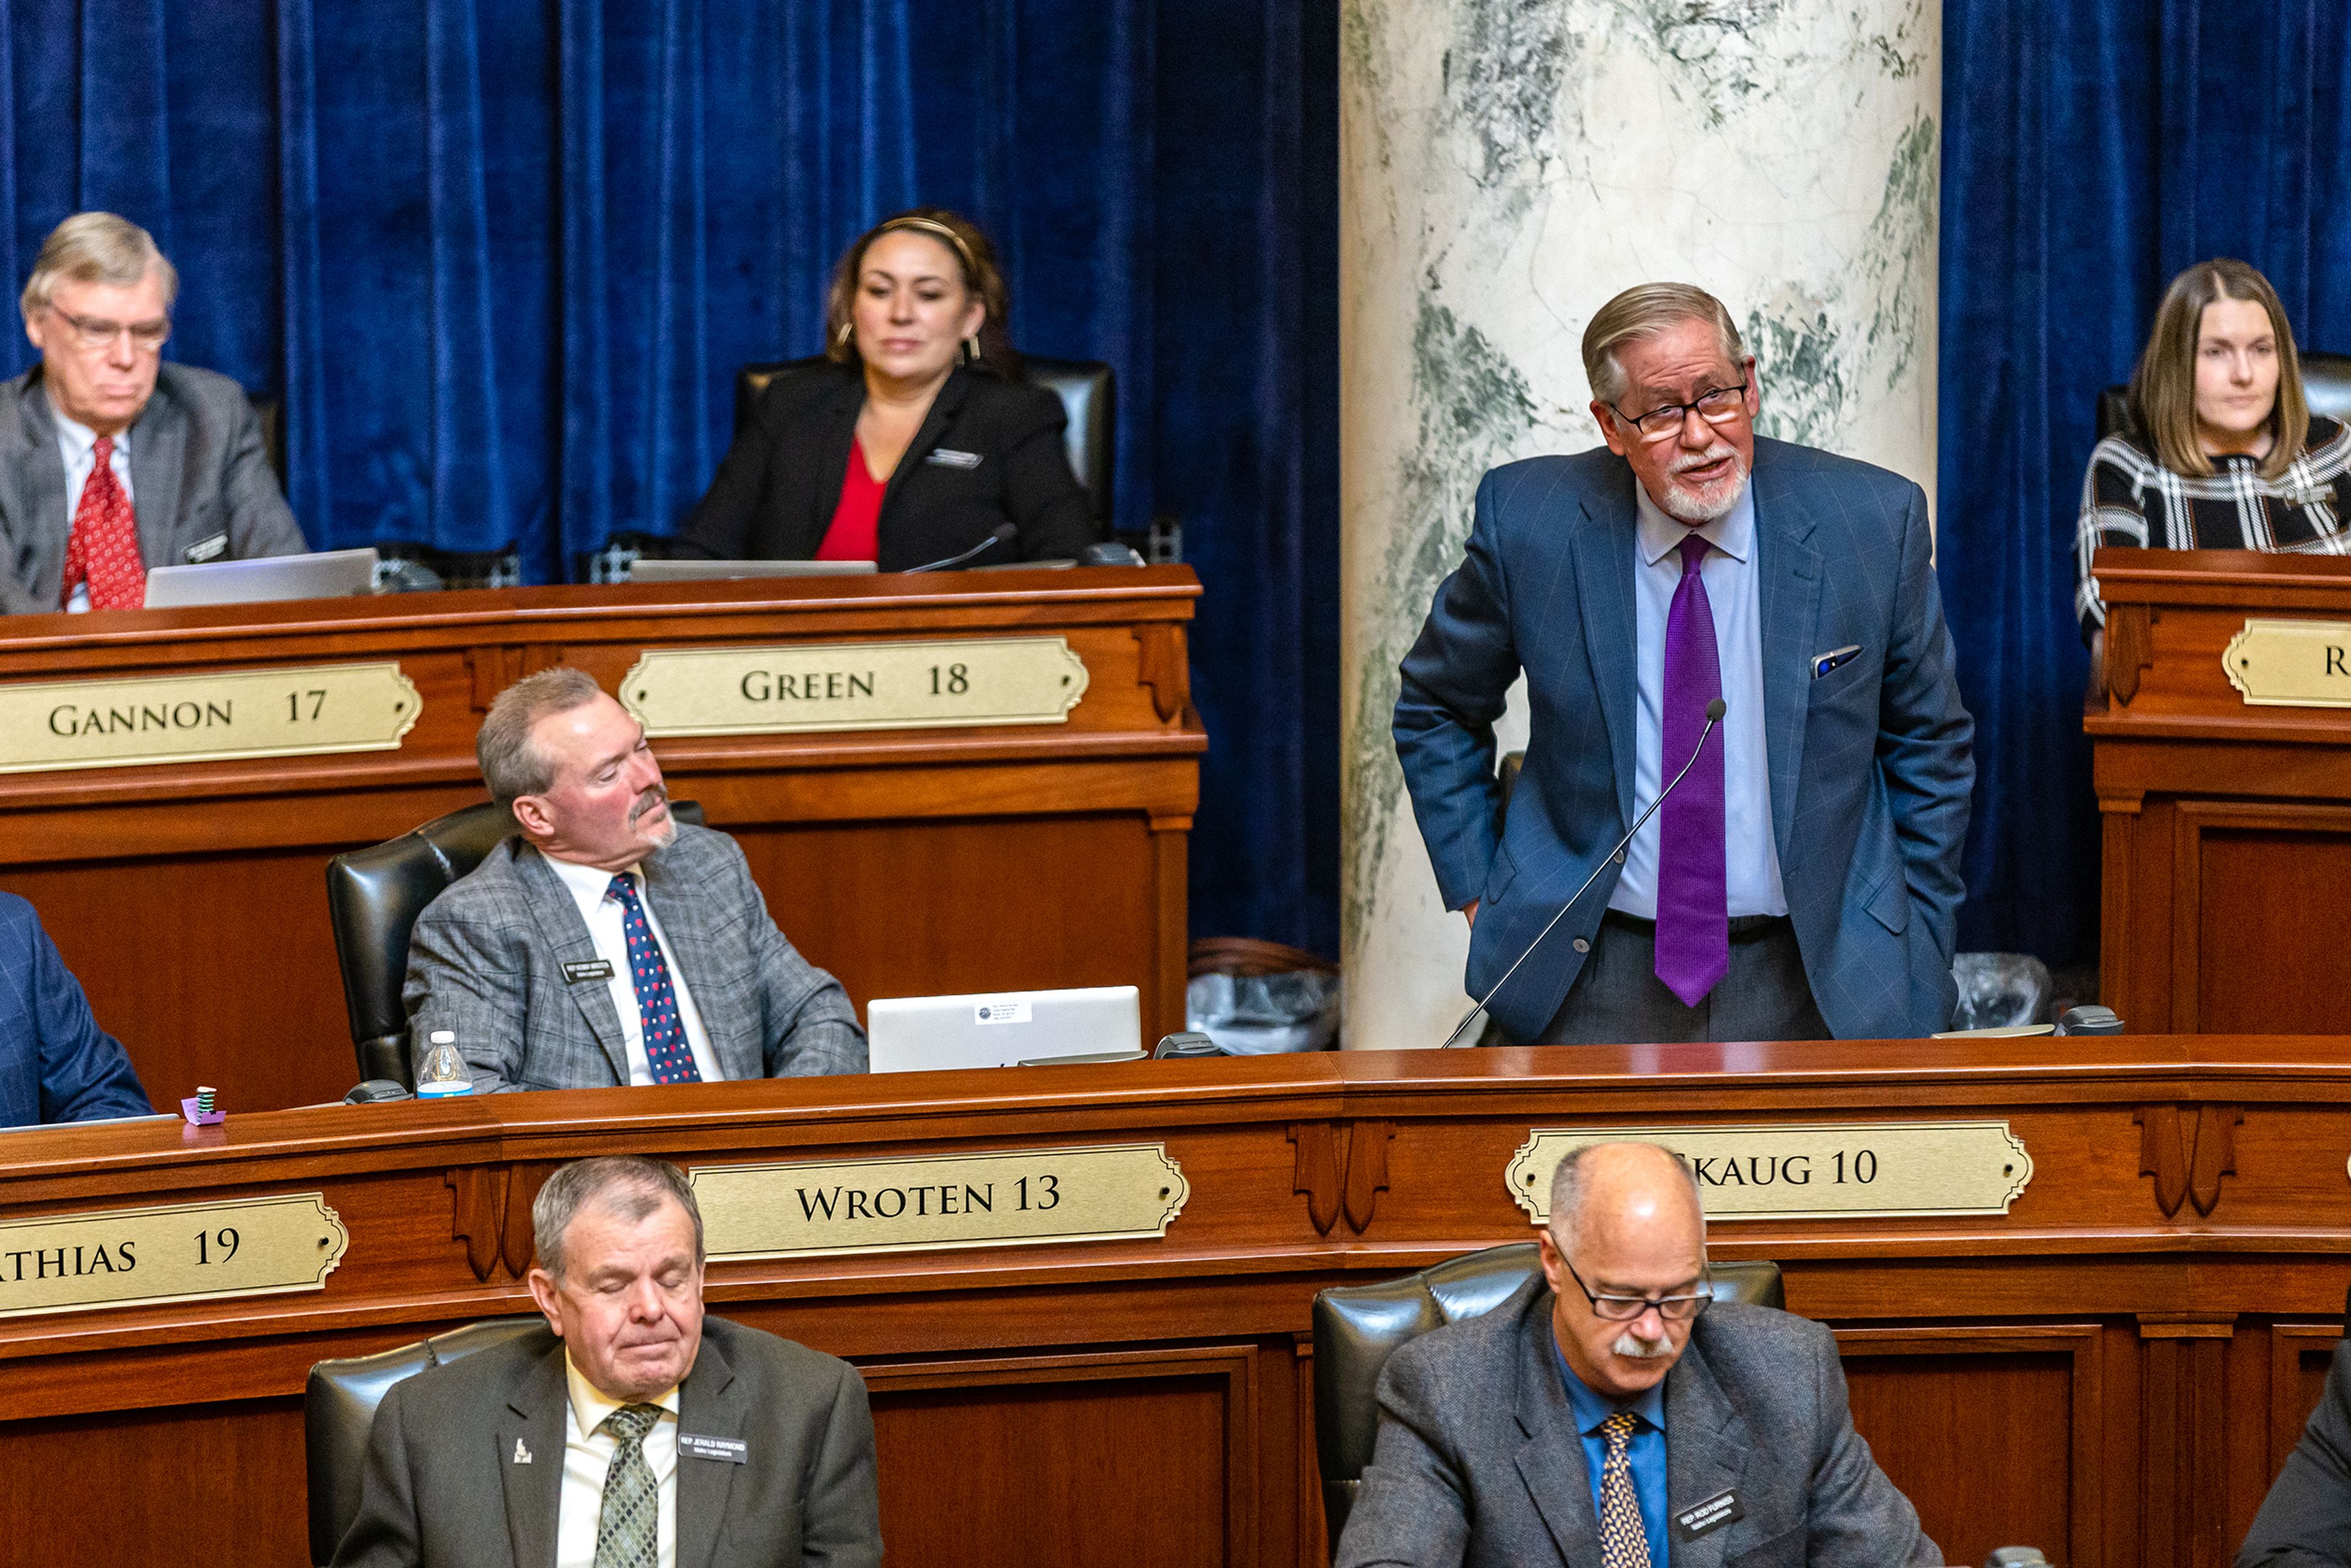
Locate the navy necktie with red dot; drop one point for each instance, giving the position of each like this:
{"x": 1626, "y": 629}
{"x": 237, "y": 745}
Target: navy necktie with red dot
{"x": 664, "y": 1032}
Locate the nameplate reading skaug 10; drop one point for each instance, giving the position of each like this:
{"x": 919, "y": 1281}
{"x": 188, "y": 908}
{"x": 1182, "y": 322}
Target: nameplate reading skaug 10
{"x": 1108, "y": 1192}
{"x": 130, "y": 723}
{"x": 2291, "y": 663}
{"x": 808, "y": 687}
{"x": 1835, "y": 1170}
{"x": 181, "y": 1252}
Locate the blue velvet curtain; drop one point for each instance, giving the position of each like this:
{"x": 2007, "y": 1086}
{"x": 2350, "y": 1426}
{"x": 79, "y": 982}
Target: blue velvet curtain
{"x": 2092, "y": 150}
{"x": 502, "y": 260}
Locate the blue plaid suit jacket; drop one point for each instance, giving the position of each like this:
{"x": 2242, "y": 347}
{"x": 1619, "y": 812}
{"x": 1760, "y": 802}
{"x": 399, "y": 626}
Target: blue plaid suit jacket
{"x": 1870, "y": 766}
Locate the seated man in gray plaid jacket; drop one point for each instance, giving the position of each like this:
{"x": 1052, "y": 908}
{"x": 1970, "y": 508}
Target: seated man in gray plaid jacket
{"x": 608, "y": 943}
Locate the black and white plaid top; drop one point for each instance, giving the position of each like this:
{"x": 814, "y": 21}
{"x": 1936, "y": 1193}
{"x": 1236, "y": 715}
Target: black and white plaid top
{"x": 2130, "y": 498}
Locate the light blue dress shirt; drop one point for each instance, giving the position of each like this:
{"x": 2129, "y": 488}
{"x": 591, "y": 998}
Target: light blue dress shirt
{"x": 1645, "y": 1453}
{"x": 1733, "y": 589}
{"x": 78, "y": 444}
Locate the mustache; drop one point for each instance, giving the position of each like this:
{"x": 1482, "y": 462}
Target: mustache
{"x": 656, "y": 796}
{"x": 1712, "y": 454}
{"x": 1633, "y": 1347}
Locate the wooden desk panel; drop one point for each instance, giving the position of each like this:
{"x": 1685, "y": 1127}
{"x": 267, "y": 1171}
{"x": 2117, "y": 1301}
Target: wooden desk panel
{"x": 2093, "y": 1373}
{"x": 190, "y": 899}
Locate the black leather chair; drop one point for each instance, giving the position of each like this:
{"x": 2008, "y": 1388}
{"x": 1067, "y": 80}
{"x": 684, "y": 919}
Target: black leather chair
{"x": 1086, "y": 389}
{"x": 339, "y": 1406}
{"x": 2325, "y": 386}
{"x": 1358, "y": 1327}
{"x": 374, "y": 896}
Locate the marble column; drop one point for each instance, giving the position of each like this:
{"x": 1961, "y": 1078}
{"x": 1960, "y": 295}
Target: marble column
{"x": 1506, "y": 166}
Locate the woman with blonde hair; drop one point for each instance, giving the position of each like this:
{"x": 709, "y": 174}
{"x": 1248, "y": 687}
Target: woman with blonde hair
{"x": 2226, "y": 453}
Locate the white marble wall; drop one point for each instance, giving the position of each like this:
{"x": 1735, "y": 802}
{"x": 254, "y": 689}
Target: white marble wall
{"x": 1506, "y": 166}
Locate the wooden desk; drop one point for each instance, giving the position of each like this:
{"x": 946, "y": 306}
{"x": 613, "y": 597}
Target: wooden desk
{"x": 191, "y": 898}
{"x": 2109, "y": 1371}
{"x": 2227, "y": 825}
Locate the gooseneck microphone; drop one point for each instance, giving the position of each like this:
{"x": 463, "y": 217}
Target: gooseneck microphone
{"x": 1005, "y": 534}
{"x": 1714, "y": 712}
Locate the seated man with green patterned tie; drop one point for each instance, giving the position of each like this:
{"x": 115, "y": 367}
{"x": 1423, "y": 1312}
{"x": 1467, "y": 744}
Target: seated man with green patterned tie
{"x": 633, "y": 1433}
{"x": 1608, "y": 1415}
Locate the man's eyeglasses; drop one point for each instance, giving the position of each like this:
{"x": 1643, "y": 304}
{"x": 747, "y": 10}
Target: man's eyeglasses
{"x": 1718, "y": 406}
{"x": 92, "y": 333}
{"x": 1625, "y": 1308}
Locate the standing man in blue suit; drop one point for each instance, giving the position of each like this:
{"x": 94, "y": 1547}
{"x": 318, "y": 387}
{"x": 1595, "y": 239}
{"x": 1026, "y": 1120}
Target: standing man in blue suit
{"x": 1804, "y": 880}
{"x": 55, "y": 1063}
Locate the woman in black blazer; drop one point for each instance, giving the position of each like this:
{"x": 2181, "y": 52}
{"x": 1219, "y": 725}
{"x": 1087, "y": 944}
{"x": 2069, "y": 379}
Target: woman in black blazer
{"x": 914, "y": 439}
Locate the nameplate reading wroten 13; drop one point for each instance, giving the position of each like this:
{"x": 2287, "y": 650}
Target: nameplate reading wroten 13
{"x": 2291, "y": 663}
{"x": 1831, "y": 1170}
{"x": 182, "y": 1252}
{"x": 1110, "y": 1192}
{"x": 806, "y": 686}
{"x": 47, "y": 725}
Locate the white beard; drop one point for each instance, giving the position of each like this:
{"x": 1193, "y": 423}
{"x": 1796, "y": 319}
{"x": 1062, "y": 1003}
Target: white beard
{"x": 1706, "y": 503}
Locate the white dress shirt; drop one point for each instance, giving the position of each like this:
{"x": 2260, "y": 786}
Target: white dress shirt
{"x": 78, "y": 444}
{"x": 591, "y": 889}
{"x": 587, "y": 1458}
{"x": 1732, "y": 589}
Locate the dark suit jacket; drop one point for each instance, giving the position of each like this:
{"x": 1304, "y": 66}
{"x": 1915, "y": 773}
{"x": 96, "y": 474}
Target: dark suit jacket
{"x": 55, "y": 1063}
{"x": 486, "y": 960}
{"x": 443, "y": 1489}
{"x": 1478, "y": 1462}
{"x": 2306, "y": 1521}
{"x": 1870, "y": 766}
{"x": 201, "y": 483}
{"x": 776, "y": 490}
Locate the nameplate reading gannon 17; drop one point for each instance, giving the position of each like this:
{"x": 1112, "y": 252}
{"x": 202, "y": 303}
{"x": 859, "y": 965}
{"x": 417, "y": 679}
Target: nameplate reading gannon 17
{"x": 148, "y": 719}
{"x": 1012, "y": 1198}
{"x": 796, "y": 687}
{"x": 181, "y": 1252}
{"x": 1831, "y": 1170}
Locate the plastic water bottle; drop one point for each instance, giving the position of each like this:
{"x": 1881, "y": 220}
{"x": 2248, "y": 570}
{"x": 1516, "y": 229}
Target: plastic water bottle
{"x": 443, "y": 1072}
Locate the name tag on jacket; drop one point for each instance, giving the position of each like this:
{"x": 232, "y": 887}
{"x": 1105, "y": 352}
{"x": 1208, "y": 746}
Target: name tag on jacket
{"x": 728, "y": 1450}
{"x": 598, "y": 969}
{"x": 1723, "y": 1508}
{"x": 204, "y": 550}
{"x": 949, "y": 457}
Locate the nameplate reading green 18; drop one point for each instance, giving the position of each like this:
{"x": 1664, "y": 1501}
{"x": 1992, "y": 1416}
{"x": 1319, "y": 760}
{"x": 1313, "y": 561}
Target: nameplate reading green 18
{"x": 808, "y": 687}
{"x": 2291, "y": 663}
{"x": 1013, "y": 1198}
{"x": 148, "y": 719}
{"x": 181, "y": 1252}
{"x": 1831, "y": 1170}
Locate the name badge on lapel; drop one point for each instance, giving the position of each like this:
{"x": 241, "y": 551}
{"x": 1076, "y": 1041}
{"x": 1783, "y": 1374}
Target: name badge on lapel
{"x": 730, "y": 1450}
{"x": 575, "y": 974}
{"x": 949, "y": 457}
{"x": 204, "y": 550}
{"x": 1721, "y": 1509}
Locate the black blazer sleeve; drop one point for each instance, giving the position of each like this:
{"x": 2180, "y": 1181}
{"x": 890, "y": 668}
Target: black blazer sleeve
{"x": 2306, "y": 1521}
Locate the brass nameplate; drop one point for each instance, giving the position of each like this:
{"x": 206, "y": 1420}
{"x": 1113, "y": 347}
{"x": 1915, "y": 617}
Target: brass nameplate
{"x": 1110, "y": 1192}
{"x": 1828, "y": 1170}
{"x": 47, "y": 725}
{"x": 2291, "y": 663}
{"x": 182, "y": 1252}
{"x": 794, "y": 687}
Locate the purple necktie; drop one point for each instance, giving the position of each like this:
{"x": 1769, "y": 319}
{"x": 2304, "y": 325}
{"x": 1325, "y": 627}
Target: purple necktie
{"x": 1693, "y": 905}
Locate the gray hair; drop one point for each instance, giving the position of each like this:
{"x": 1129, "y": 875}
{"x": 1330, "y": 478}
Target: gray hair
{"x": 97, "y": 248}
{"x": 628, "y": 1186}
{"x": 1568, "y": 1187}
{"x": 1643, "y": 312}
{"x": 512, "y": 764}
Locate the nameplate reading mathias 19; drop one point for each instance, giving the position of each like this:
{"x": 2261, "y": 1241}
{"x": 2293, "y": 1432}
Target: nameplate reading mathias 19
{"x": 1830, "y": 1170}
{"x": 130, "y": 723}
{"x": 2291, "y": 663}
{"x": 1108, "y": 1192}
{"x": 181, "y": 1252}
{"x": 795, "y": 687}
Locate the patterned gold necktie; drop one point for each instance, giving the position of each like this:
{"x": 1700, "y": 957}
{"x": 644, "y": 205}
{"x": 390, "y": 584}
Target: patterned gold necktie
{"x": 1624, "y": 1539}
{"x": 628, "y": 1527}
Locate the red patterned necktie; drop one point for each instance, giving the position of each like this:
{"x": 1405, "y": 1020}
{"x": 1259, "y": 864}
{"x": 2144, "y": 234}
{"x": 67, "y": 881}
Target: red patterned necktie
{"x": 103, "y": 549}
{"x": 666, "y": 1052}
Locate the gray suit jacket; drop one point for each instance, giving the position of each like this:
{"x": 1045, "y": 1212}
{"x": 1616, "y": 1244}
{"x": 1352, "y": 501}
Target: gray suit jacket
{"x": 1479, "y": 1461}
{"x": 486, "y": 960}
{"x": 200, "y": 482}
{"x": 443, "y": 1487}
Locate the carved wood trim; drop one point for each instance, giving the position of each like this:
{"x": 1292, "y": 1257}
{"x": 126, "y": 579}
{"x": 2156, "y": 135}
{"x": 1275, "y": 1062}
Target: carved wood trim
{"x": 494, "y": 667}
{"x": 2188, "y": 1149}
{"x": 2130, "y": 649}
{"x": 1367, "y": 1171}
{"x": 1317, "y": 1172}
{"x": 1161, "y": 666}
{"x": 479, "y": 1220}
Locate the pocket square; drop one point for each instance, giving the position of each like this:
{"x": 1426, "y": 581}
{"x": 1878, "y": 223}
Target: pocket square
{"x": 1823, "y": 663}
{"x": 949, "y": 457}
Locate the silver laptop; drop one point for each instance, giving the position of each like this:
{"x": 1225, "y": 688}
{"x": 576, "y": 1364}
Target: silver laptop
{"x": 329, "y": 574}
{"x": 1003, "y": 1029}
{"x": 734, "y": 571}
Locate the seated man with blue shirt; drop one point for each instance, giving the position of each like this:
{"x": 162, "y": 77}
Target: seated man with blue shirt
{"x": 1609, "y": 1417}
